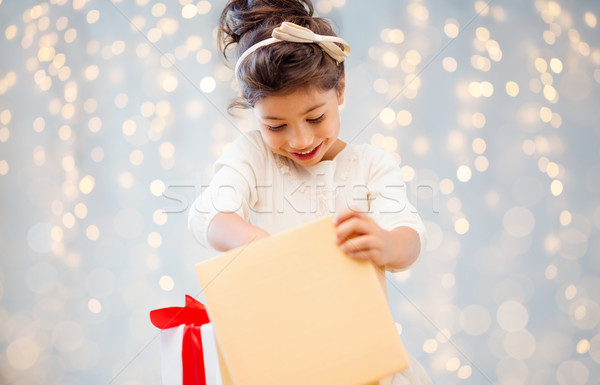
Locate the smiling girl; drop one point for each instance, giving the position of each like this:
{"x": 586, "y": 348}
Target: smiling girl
{"x": 294, "y": 169}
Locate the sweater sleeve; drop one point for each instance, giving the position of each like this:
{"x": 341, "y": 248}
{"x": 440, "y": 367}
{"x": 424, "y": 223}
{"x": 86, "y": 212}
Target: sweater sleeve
{"x": 232, "y": 188}
{"x": 388, "y": 202}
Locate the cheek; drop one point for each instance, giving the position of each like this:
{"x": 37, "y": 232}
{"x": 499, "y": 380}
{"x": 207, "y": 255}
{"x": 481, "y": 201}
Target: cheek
{"x": 273, "y": 141}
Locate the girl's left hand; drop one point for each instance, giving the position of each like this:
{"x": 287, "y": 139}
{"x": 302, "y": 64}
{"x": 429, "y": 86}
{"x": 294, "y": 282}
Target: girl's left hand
{"x": 360, "y": 237}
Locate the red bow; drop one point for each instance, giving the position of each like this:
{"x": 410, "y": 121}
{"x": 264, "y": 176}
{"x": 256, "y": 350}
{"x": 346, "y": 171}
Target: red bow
{"x": 192, "y": 315}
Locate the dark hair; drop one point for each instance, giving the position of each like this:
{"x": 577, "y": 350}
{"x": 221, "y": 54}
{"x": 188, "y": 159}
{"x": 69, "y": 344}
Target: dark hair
{"x": 276, "y": 68}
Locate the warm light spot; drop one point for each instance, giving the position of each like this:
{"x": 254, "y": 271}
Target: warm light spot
{"x": 10, "y": 32}
{"x": 565, "y": 218}
{"x": 166, "y": 150}
{"x": 556, "y": 65}
{"x": 3, "y": 167}
{"x": 570, "y": 292}
{"x": 464, "y": 372}
{"x": 430, "y": 346}
{"x": 154, "y": 239}
{"x": 512, "y": 88}
{"x": 157, "y": 187}
{"x": 545, "y": 114}
{"x": 159, "y": 217}
{"x": 452, "y": 364}
{"x": 22, "y": 353}
{"x": 550, "y": 93}
{"x": 92, "y": 232}
{"x": 461, "y": 226}
{"x": 136, "y": 157}
{"x": 387, "y": 115}
{"x": 129, "y": 127}
{"x": 590, "y": 19}
{"x": 446, "y": 186}
{"x": 166, "y": 283}
{"x": 189, "y": 11}
{"x": 204, "y": 7}
{"x": 408, "y": 173}
{"x": 93, "y": 16}
{"x": 541, "y": 65}
{"x": 80, "y": 210}
{"x": 451, "y": 28}
{"x": 463, "y": 173}
{"x": 404, "y": 118}
{"x": 479, "y": 146}
{"x": 556, "y": 187}
{"x": 159, "y": 9}
{"x": 449, "y": 64}
{"x": 94, "y": 306}
{"x": 583, "y": 346}
{"x": 208, "y": 85}
{"x": 482, "y": 34}
{"x": 68, "y": 220}
{"x": 390, "y": 59}
{"x": 6, "y": 116}
{"x": 481, "y": 163}
{"x": 169, "y": 83}
{"x": 478, "y": 119}
{"x": 552, "y": 169}
{"x": 86, "y": 184}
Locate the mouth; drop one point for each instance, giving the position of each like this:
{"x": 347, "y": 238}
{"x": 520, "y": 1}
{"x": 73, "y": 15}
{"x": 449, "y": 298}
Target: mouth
{"x": 307, "y": 155}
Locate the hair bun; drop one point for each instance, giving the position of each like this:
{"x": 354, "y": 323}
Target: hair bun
{"x": 242, "y": 17}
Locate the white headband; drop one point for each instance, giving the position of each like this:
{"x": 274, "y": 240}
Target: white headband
{"x": 294, "y": 33}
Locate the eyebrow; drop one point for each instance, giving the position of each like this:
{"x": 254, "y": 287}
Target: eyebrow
{"x": 306, "y": 112}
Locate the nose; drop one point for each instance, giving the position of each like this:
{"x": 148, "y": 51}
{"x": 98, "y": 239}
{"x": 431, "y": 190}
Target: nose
{"x": 301, "y": 139}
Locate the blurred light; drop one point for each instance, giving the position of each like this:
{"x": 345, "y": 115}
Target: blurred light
{"x": 446, "y": 186}
{"x": 590, "y": 19}
{"x": 408, "y": 173}
{"x": 390, "y": 59}
{"x": 93, "y": 16}
{"x": 159, "y": 9}
{"x": 556, "y": 187}
{"x": 449, "y": 64}
{"x": 463, "y": 173}
{"x": 94, "y": 306}
{"x": 22, "y": 353}
{"x": 166, "y": 283}
{"x": 208, "y": 85}
{"x": 430, "y": 346}
{"x": 404, "y": 118}
{"x": 453, "y": 364}
{"x": 512, "y": 316}
{"x": 157, "y": 187}
{"x": 461, "y": 226}
{"x": 86, "y": 184}
{"x": 451, "y": 28}
{"x": 512, "y": 88}
{"x": 387, "y": 115}
{"x": 92, "y": 232}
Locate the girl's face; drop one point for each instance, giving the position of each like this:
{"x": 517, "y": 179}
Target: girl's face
{"x": 302, "y": 125}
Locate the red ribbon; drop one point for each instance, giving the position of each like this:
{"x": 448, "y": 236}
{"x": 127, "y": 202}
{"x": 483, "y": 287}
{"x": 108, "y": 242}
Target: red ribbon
{"x": 192, "y": 315}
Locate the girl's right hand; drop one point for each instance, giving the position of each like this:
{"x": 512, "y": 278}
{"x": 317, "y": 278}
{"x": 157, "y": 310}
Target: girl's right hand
{"x": 228, "y": 231}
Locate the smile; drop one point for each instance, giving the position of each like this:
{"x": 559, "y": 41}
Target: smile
{"x": 308, "y": 154}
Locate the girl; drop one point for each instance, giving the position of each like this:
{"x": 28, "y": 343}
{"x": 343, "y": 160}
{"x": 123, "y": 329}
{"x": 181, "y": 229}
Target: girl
{"x": 295, "y": 169}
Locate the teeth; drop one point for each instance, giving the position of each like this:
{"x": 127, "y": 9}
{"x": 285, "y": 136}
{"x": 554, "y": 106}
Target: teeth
{"x": 304, "y": 153}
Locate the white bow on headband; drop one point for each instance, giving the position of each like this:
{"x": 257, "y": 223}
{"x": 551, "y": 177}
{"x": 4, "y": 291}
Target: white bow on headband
{"x": 294, "y": 33}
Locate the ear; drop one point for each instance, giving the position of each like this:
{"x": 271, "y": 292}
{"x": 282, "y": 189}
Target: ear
{"x": 340, "y": 91}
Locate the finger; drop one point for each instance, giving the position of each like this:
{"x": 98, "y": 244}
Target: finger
{"x": 350, "y": 228}
{"x": 360, "y": 245}
{"x": 345, "y": 214}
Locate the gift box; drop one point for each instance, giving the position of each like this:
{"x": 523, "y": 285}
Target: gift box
{"x": 189, "y": 354}
{"x": 294, "y": 309}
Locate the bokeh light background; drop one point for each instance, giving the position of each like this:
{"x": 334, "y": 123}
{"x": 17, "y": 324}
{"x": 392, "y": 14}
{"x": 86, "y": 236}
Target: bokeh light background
{"x": 112, "y": 112}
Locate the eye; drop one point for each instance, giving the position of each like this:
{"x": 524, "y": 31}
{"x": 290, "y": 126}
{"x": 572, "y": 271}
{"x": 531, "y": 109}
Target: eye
{"x": 316, "y": 120}
{"x": 277, "y": 128}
